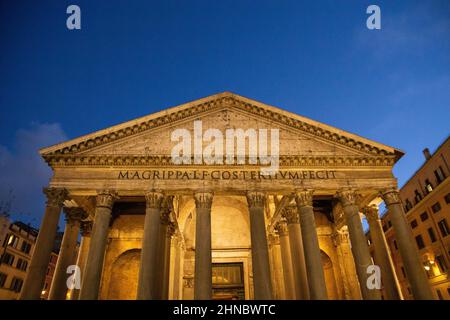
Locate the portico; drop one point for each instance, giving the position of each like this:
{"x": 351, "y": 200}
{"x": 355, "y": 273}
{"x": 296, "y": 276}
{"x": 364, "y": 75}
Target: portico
{"x": 159, "y": 228}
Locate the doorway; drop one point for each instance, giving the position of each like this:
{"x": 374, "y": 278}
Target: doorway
{"x": 228, "y": 281}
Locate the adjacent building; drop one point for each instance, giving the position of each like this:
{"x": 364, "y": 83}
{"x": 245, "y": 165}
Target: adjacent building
{"x": 17, "y": 246}
{"x": 49, "y": 275}
{"x": 4, "y": 228}
{"x": 426, "y": 201}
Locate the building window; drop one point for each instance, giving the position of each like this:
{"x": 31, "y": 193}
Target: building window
{"x": 443, "y": 226}
{"x": 408, "y": 205}
{"x": 419, "y": 241}
{"x": 414, "y": 224}
{"x": 22, "y": 264}
{"x": 16, "y": 284}
{"x": 395, "y": 244}
{"x": 428, "y": 186}
{"x": 440, "y": 175}
{"x": 432, "y": 235}
{"x": 13, "y": 241}
{"x": 389, "y": 224}
{"x": 3, "y": 278}
{"x": 8, "y": 258}
{"x": 441, "y": 263}
{"x": 424, "y": 216}
{"x": 439, "y": 294}
{"x": 447, "y": 198}
{"x": 436, "y": 207}
{"x": 417, "y": 196}
{"x": 428, "y": 270}
{"x": 26, "y": 247}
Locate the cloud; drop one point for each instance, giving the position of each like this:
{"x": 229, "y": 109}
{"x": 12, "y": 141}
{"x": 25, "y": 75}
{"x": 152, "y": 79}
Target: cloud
{"x": 23, "y": 173}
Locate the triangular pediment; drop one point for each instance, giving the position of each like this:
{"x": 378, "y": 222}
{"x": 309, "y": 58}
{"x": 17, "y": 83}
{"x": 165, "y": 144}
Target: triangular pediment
{"x": 150, "y": 136}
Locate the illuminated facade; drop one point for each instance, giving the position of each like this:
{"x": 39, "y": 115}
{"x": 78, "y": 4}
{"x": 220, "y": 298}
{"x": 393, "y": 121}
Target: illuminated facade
{"x": 426, "y": 200}
{"x": 17, "y": 246}
{"x": 154, "y": 229}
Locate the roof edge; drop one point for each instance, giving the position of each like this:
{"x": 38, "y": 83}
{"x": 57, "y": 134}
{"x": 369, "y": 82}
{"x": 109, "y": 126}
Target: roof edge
{"x": 48, "y": 150}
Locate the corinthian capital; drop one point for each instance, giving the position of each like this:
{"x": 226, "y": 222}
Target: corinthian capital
{"x": 347, "y": 197}
{"x": 290, "y": 213}
{"x": 390, "y": 196}
{"x": 168, "y": 202}
{"x": 304, "y": 198}
{"x": 106, "y": 198}
{"x": 171, "y": 228}
{"x": 281, "y": 228}
{"x": 165, "y": 215}
{"x": 203, "y": 200}
{"x": 74, "y": 214}
{"x": 153, "y": 199}
{"x": 273, "y": 239}
{"x": 86, "y": 228}
{"x": 371, "y": 213}
{"x": 55, "y": 196}
{"x": 256, "y": 199}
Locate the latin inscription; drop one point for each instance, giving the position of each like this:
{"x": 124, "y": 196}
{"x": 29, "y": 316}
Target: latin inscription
{"x": 224, "y": 175}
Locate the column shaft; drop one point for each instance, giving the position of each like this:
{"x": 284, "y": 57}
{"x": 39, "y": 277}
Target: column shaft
{"x": 166, "y": 265}
{"x": 286, "y": 260}
{"x": 177, "y": 269}
{"x": 360, "y": 248}
{"x": 58, "y": 289}
{"x": 148, "y": 272}
{"x": 203, "y": 256}
{"x": 414, "y": 269}
{"x": 276, "y": 270}
{"x": 382, "y": 255}
{"x": 313, "y": 259}
{"x": 347, "y": 263}
{"x": 297, "y": 252}
{"x": 260, "y": 254}
{"x": 86, "y": 229}
{"x": 161, "y": 253}
{"x": 94, "y": 264}
{"x": 37, "y": 270}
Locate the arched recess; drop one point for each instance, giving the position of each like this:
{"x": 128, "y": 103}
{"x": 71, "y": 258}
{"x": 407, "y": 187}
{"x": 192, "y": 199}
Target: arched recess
{"x": 124, "y": 276}
{"x": 330, "y": 280}
{"x": 230, "y": 237}
{"x": 229, "y": 216}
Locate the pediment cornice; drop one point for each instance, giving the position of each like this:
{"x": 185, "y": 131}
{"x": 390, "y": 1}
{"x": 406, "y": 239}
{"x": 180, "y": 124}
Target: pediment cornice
{"x": 165, "y": 161}
{"x": 73, "y": 151}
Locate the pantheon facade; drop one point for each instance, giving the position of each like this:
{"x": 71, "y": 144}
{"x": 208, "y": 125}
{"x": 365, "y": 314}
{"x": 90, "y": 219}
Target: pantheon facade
{"x": 153, "y": 229}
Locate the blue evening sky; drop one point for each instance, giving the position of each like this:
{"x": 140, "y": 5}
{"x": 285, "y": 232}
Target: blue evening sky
{"x": 131, "y": 58}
